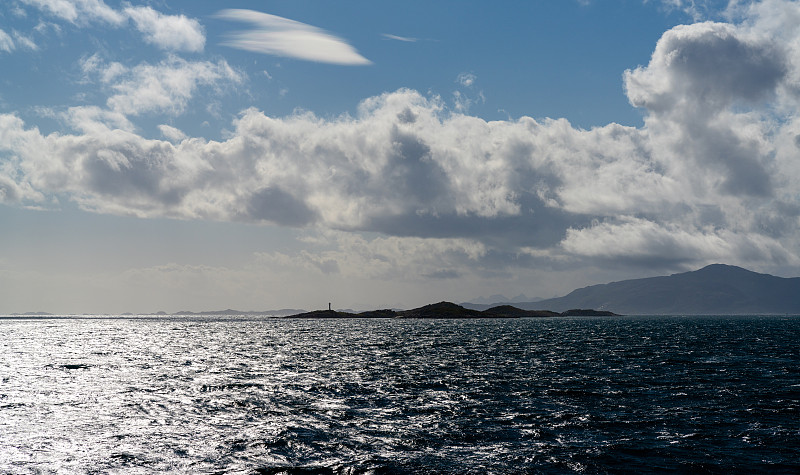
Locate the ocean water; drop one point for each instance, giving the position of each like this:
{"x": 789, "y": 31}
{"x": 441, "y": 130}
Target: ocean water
{"x": 260, "y": 395}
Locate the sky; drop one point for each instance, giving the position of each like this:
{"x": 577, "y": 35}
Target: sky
{"x": 171, "y": 155}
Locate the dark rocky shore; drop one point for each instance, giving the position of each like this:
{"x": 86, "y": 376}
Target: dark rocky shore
{"x": 451, "y": 310}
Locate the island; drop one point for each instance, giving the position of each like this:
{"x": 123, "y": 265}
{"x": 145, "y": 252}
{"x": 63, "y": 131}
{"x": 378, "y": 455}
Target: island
{"x": 451, "y": 310}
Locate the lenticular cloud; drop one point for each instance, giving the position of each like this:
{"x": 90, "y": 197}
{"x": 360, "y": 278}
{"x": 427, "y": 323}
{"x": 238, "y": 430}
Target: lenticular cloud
{"x": 712, "y": 173}
{"x": 271, "y": 34}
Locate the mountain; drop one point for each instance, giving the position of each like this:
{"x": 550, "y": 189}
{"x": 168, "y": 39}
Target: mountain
{"x": 715, "y": 289}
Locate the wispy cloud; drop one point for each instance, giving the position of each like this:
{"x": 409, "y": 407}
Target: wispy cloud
{"x": 466, "y": 79}
{"x": 280, "y": 36}
{"x": 79, "y": 12}
{"x": 167, "y": 32}
{"x": 6, "y": 43}
{"x": 9, "y": 44}
{"x": 25, "y": 41}
{"x": 400, "y": 38}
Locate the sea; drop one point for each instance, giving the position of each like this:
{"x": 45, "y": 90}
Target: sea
{"x": 260, "y": 395}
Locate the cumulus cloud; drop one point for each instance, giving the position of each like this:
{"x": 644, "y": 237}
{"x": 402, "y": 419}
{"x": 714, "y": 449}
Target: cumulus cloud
{"x": 705, "y": 89}
{"x": 271, "y": 34}
{"x": 710, "y": 177}
{"x": 168, "y": 32}
{"x": 171, "y": 133}
{"x": 12, "y": 192}
{"x": 707, "y": 66}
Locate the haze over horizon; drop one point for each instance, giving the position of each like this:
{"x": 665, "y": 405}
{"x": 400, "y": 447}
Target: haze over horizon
{"x": 175, "y": 155}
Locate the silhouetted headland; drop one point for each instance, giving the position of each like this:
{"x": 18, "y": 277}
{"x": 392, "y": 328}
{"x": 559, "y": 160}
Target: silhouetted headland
{"x": 451, "y": 310}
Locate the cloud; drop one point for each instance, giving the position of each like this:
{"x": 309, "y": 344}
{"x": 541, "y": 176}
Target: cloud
{"x": 463, "y": 100}
{"x": 94, "y": 120}
{"x": 165, "y": 87}
{"x": 12, "y": 192}
{"x": 168, "y": 32}
{"x": 400, "y": 38}
{"x": 283, "y": 37}
{"x": 704, "y": 91}
{"x": 644, "y": 242}
{"x": 386, "y": 258}
{"x": 171, "y": 133}
{"x": 24, "y": 41}
{"x": 79, "y": 11}
{"x": 466, "y": 79}
{"x": 711, "y": 176}
{"x": 278, "y": 206}
{"x": 6, "y": 43}
{"x": 707, "y": 66}
{"x": 698, "y": 10}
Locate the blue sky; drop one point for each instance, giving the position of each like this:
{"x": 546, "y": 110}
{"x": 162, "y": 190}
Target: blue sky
{"x": 170, "y": 155}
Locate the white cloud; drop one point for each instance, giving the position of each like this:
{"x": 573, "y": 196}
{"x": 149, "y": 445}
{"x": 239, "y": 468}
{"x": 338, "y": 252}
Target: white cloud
{"x": 463, "y": 100}
{"x": 6, "y": 43}
{"x": 79, "y": 11}
{"x": 466, "y": 79}
{"x": 24, "y": 41}
{"x": 705, "y": 89}
{"x": 280, "y": 36}
{"x": 12, "y": 192}
{"x": 407, "y": 167}
{"x": 711, "y": 176}
{"x": 95, "y": 120}
{"x": 633, "y": 239}
{"x": 707, "y": 66}
{"x": 400, "y": 38}
{"x": 696, "y": 9}
{"x": 166, "y": 87}
{"x": 171, "y": 133}
{"x": 168, "y": 32}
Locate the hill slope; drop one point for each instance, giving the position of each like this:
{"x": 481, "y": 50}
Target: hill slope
{"x": 715, "y": 289}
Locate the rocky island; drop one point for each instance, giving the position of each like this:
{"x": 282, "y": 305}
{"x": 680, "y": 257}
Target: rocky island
{"x": 451, "y": 310}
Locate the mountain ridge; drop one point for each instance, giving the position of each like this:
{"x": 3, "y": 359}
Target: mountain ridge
{"x": 715, "y": 289}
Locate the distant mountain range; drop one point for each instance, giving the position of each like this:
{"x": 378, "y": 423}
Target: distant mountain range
{"x": 715, "y": 289}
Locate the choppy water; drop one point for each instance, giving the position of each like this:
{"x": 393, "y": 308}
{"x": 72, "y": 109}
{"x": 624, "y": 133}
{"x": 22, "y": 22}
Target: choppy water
{"x": 237, "y": 395}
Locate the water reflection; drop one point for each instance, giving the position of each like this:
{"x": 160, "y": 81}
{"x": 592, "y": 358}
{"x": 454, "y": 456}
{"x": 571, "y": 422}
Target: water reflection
{"x": 238, "y": 394}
